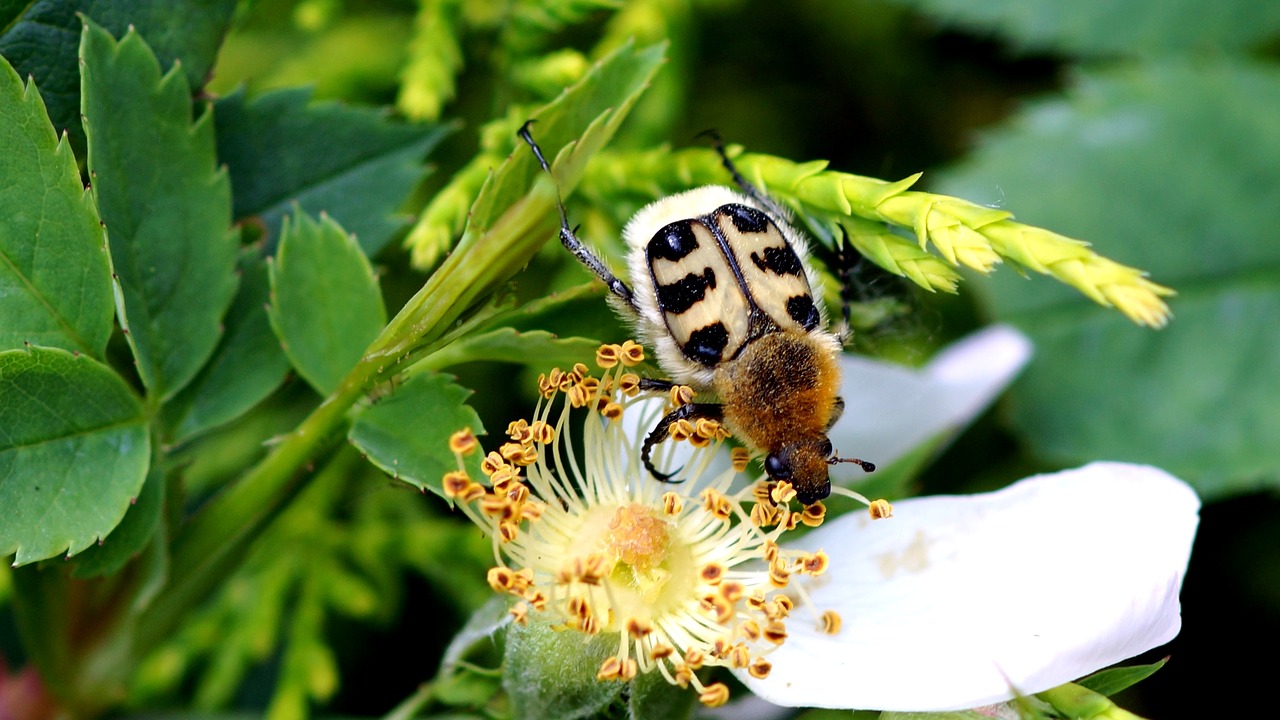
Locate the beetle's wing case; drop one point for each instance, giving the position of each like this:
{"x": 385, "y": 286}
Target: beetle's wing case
{"x": 712, "y": 270}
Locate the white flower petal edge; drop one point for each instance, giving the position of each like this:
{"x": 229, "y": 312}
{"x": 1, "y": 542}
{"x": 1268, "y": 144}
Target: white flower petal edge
{"x": 962, "y": 601}
{"x": 892, "y": 409}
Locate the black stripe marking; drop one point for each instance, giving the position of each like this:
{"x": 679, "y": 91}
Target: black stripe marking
{"x": 802, "y": 310}
{"x": 673, "y": 242}
{"x": 679, "y": 296}
{"x": 746, "y": 219}
{"x": 706, "y": 344}
{"x": 779, "y": 259}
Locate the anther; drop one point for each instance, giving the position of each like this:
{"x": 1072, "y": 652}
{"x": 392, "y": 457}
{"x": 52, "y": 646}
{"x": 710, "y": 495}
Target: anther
{"x": 463, "y": 442}
{"x": 831, "y": 622}
{"x": 880, "y": 509}
{"x": 632, "y": 353}
{"x": 714, "y": 695}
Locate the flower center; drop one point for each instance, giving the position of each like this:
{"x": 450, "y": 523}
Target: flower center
{"x": 591, "y": 542}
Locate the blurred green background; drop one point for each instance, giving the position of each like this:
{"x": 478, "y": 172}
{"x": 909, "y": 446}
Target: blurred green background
{"x": 1150, "y": 129}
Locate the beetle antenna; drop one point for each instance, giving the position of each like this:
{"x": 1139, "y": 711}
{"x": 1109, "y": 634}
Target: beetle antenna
{"x": 743, "y": 184}
{"x": 525, "y": 135}
{"x": 866, "y": 466}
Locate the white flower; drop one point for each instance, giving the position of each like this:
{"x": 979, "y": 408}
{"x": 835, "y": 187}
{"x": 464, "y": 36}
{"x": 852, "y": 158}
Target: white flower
{"x": 954, "y": 602}
{"x": 960, "y": 602}
{"x": 892, "y": 410}
{"x": 687, "y": 576}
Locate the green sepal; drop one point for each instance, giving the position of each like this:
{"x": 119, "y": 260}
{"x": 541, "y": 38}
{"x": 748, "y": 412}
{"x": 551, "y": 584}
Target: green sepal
{"x": 552, "y": 674}
{"x": 651, "y": 697}
{"x": 1112, "y": 680}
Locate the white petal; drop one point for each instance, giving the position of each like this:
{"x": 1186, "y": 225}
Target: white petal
{"x": 891, "y": 409}
{"x": 960, "y": 601}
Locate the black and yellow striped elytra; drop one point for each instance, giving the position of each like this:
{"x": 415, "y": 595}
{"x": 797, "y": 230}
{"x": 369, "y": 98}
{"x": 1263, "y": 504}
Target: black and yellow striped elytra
{"x": 722, "y": 292}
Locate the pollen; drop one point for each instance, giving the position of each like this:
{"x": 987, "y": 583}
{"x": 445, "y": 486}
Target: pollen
{"x": 812, "y": 515}
{"x": 760, "y": 669}
{"x": 714, "y": 695}
{"x": 586, "y": 540}
{"x": 638, "y": 537}
{"x": 608, "y": 356}
{"x": 463, "y": 442}
{"x": 456, "y": 483}
{"x": 632, "y": 353}
{"x": 830, "y": 622}
{"x": 612, "y": 411}
{"x": 671, "y": 503}
{"x": 629, "y": 384}
{"x": 681, "y": 395}
{"x": 880, "y": 509}
{"x": 782, "y": 492}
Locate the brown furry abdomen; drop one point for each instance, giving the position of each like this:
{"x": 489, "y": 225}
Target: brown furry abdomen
{"x": 782, "y": 387}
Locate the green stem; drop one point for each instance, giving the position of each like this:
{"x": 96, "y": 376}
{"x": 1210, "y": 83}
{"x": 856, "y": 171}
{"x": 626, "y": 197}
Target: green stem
{"x": 413, "y": 704}
{"x": 213, "y": 543}
{"x": 40, "y": 608}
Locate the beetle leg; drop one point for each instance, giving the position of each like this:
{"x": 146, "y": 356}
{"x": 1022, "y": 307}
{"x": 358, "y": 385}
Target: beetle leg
{"x": 660, "y": 432}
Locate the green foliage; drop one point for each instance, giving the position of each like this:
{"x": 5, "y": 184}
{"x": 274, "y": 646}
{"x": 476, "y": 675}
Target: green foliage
{"x": 174, "y": 260}
{"x": 325, "y": 304}
{"x": 1112, "y": 680}
{"x": 553, "y": 674}
{"x": 1172, "y": 164}
{"x": 73, "y": 454}
{"x": 392, "y": 434}
{"x": 225, "y": 541}
{"x": 54, "y": 274}
{"x": 131, "y": 536}
{"x": 1100, "y": 27}
{"x": 246, "y": 366}
{"x": 36, "y": 39}
{"x": 651, "y": 696}
{"x": 359, "y": 167}
{"x": 428, "y": 80}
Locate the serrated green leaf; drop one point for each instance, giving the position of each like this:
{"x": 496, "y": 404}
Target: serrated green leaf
{"x": 407, "y": 432}
{"x": 55, "y": 278}
{"x": 39, "y": 39}
{"x": 1112, "y": 680}
{"x": 1102, "y": 27}
{"x": 129, "y": 537}
{"x": 358, "y": 166}
{"x": 74, "y": 450}
{"x": 247, "y": 366}
{"x": 325, "y": 304}
{"x": 1174, "y": 168}
{"x": 166, "y": 205}
{"x": 552, "y": 674}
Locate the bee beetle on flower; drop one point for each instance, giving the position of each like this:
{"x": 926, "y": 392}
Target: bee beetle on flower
{"x": 720, "y": 287}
